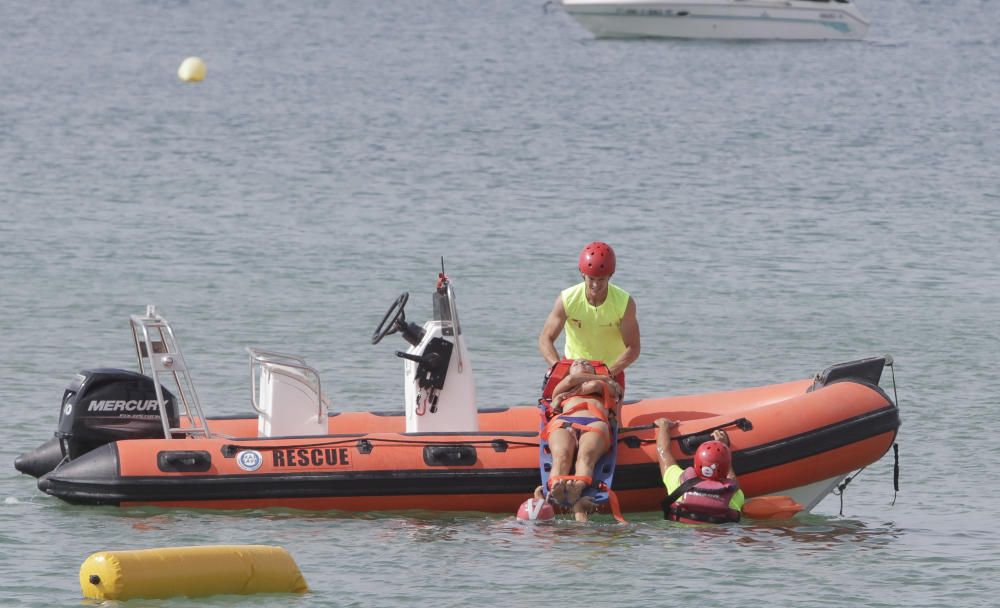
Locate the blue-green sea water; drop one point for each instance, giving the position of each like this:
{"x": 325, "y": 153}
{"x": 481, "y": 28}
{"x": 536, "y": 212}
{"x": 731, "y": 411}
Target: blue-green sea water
{"x": 775, "y": 207}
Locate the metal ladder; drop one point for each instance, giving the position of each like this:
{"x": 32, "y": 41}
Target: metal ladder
{"x": 159, "y": 353}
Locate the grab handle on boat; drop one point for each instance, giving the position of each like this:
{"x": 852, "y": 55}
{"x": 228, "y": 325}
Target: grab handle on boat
{"x": 196, "y": 461}
{"x": 449, "y": 455}
{"x": 688, "y": 443}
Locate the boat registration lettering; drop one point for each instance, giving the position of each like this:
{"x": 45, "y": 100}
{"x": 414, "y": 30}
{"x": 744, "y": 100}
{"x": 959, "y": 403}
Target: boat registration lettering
{"x": 310, "y": 457}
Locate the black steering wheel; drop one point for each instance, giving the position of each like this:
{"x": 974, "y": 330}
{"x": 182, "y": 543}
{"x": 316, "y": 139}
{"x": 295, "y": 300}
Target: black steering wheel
{"x": 394, "y": 319}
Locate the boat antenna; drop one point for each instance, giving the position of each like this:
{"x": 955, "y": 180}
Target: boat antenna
{"x": 442, "y": 279}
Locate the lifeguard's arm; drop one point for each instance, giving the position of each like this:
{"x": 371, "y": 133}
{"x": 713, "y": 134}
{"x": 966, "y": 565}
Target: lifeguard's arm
{"x": 665, "y": 458}
{"x": 630, "y": 336}
{"x": 550, "y": 331}
{"x": 721, "y": 435}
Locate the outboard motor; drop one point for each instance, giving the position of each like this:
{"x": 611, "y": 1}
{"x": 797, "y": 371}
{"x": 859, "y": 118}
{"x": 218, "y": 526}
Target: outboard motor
{"x": 105, "y": 405}
{"x": 101, "y": 406}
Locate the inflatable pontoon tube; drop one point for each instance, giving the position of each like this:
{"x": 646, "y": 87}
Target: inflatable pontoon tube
{"x": 190, "y": 571}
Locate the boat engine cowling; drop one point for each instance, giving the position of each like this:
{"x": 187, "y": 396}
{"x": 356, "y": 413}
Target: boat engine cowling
{"x": 104, "y": 405}
{"x": 100, "y": 406}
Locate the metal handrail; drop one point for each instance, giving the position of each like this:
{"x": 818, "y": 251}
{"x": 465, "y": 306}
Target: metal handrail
{"x": 456, "y": 324}
{"x": 271, "y": 359}
{"x": 173, "y": 360}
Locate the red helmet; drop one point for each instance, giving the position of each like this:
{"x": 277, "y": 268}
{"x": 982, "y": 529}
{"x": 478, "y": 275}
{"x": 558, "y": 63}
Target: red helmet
{"x": 712, "y": 460}
{"x": 535, "y": 509}
{"x": 597, "y": 260}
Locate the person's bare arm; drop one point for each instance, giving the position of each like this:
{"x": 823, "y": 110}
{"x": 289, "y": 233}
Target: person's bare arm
{"x": 630, "y": 336}
{"x": 722, "y": 436}
{"x": 551, "y": 330}
{"x": 596, "y": 387}
{"x": 583, "y": 383}
{"x": 665, "y": 458}
{"x": 576, "y": 382}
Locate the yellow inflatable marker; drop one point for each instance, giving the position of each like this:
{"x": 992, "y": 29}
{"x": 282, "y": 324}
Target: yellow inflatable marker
{"x": 190, "y": 571}
{"x": 192, "y": 70}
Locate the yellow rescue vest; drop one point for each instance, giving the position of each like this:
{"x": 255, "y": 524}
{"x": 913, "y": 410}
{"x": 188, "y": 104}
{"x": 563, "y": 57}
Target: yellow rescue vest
{"x": 594, "y": 332}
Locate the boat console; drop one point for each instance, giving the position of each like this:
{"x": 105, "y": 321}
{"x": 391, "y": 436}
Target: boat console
{"x": 439, "y": 387}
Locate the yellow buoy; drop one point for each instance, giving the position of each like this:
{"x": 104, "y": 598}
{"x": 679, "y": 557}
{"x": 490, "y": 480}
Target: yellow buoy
{"x": 190, "y": 571}
{"x": 192, "y": 70}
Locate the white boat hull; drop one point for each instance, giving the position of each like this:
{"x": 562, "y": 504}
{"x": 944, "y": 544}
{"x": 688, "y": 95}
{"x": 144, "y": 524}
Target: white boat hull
{"x": 720, "y": 19}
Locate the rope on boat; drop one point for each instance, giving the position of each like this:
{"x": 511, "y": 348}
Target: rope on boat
{"x": 633, "y": 441}
{"x": 892, "y": 369}
{"x": 688, "y": 442}
{"x": 895, "y": 474}
{"x": 366, "y": 444}
{"x": 895, "y": 445}
{"x": 839, "y": 491}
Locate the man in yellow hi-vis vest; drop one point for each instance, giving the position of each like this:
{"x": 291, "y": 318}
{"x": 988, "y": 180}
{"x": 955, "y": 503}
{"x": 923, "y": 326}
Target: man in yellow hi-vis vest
{"x": 599, "y": 318}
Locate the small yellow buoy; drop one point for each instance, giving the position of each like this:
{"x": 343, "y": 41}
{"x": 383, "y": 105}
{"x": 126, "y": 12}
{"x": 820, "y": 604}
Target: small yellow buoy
{"x": 192, "y": 70}
{"x": 190, "y": 571}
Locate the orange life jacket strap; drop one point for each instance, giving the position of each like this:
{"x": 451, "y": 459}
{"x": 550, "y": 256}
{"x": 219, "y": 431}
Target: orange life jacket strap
{"x": 607, "y": 399}
{"x": 587, "y": 480}
{"x": 556, "y": 423}
{"x": 585, "y": 403}
{"x": 616, "y": 509}
{"x": 560, "y": 369}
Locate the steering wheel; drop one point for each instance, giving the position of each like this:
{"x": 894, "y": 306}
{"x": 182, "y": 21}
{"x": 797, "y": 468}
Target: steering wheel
{"x": 394, "y": 319}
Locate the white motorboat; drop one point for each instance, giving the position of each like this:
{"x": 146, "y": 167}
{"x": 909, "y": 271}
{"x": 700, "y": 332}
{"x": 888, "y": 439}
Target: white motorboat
{"x": 723, "y": 19}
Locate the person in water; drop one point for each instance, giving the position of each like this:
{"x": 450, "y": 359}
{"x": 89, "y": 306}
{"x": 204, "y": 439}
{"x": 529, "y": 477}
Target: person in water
{"x": 579, "y": 433}
{"x": 707, "y": 492}
{"x": 599, "y": 318}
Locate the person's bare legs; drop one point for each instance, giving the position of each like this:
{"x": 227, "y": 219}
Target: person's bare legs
{"x": 593, "y": 445}
{"x": 562, "y": 444}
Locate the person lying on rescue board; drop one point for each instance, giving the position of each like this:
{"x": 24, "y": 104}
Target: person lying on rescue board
{"x": 578, "y": 434}
{"x": 707, "y": 492}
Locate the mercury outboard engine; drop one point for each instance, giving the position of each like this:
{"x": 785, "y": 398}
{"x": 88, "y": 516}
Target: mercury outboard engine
{"x": 101, "y": 406}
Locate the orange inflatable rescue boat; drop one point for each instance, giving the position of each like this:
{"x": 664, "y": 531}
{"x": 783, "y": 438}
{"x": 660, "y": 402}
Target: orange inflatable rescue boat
{"x": 141, "y": 438}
